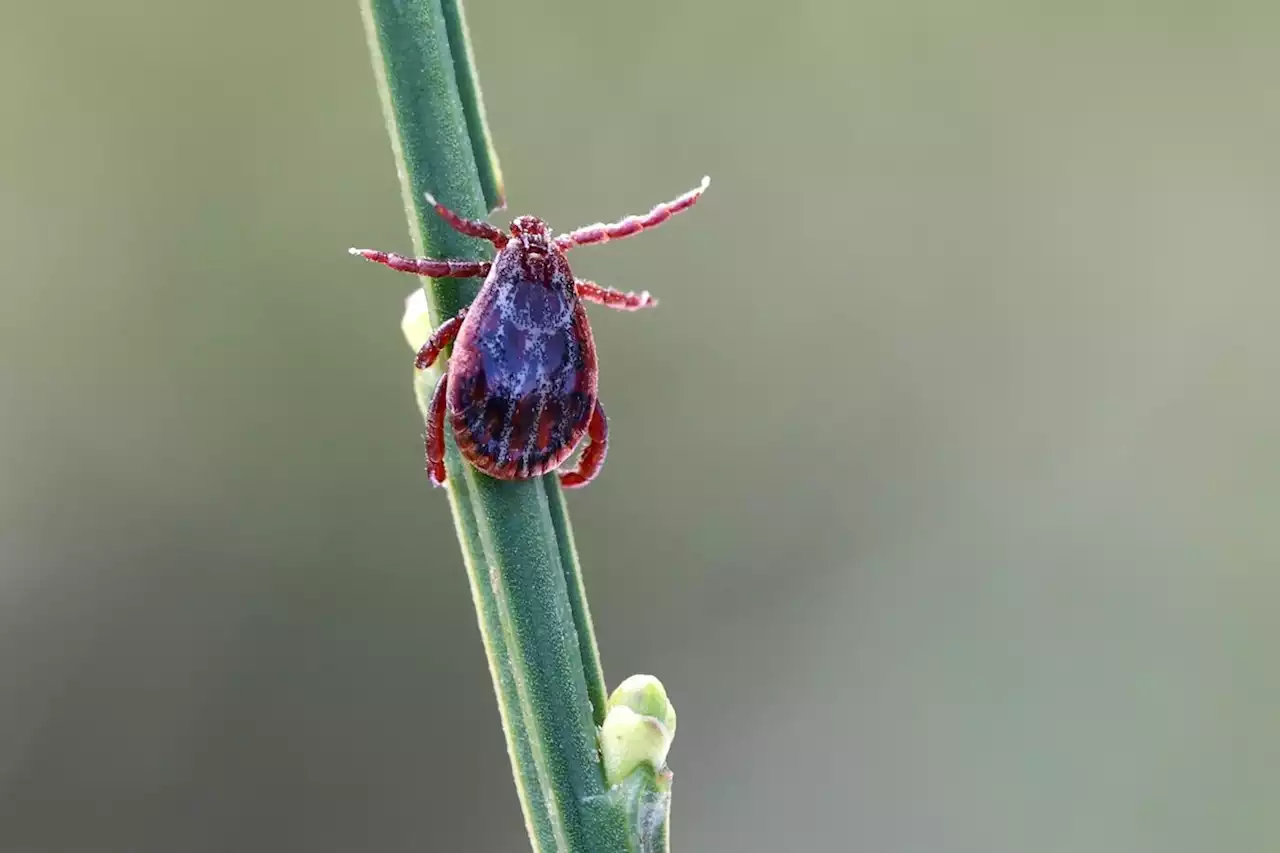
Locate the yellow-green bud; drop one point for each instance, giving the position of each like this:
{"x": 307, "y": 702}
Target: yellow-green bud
{"x": 639, "y": 726}
{"x": 416, "y": 324}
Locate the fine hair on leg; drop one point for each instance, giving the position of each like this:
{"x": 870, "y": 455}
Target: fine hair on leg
{"x": 592, "y": 458}
{"x": 602, "y": 232}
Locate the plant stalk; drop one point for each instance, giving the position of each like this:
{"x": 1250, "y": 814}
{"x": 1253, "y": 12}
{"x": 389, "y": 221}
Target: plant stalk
{"x": 516, "y": 539}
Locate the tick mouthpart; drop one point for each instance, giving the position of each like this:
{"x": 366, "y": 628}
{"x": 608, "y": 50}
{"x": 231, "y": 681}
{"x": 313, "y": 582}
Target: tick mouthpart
{"x": 536, "y": 246}
{"x": 531, "y": 232}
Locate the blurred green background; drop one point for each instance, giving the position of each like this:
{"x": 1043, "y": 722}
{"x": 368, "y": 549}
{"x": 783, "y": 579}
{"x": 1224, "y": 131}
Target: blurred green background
{"x": 943, "y": 485}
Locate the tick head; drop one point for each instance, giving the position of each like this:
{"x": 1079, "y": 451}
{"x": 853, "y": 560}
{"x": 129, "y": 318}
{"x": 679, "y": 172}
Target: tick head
{"x": 532, "y": 234}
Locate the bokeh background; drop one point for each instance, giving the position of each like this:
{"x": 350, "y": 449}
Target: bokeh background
{"x": 943, "y": 484}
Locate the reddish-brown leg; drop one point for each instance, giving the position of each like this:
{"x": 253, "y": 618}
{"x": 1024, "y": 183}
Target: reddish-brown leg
{"x": 426, "y": 266}
{"x": 435, "y": 433}
{"x": 629, "y": 301}
{"x": 440, "y": 338}
{"x": 470, "y": 227}
{"x": 602, "y": 232}
{"x": 592, "y": 455}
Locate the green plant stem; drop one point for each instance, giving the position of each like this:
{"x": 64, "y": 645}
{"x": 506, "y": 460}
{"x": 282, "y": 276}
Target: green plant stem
{"x": 464, "y": 68}
{"x": 516, "y": 538}
{"x": 577, "y": 591}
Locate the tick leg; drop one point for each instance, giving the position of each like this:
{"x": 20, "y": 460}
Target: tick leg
{"x": 602, "y": 232}
{"x": 425, "y": 266}
{"x": 592, "y": 455}
{"x": 629, "y": 301}
{"x": 440, "y": 338}
{"x": 470, "y": 227}
{"x": 435, "y": 433}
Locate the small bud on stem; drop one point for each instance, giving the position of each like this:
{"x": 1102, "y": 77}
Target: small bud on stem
{"x": 638, "y": 728}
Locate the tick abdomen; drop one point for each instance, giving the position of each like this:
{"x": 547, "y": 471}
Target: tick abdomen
{"x": 522, "y": 379}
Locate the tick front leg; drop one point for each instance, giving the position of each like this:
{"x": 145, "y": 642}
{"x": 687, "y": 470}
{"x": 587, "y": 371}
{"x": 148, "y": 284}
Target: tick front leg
{"x": 434, "y": 438}
{"x": 629, "y": 301}
{"x": 470, "y": 227}
{"x": 440, "y": 338}
{"x": 602, "y": 232}
{"x": 425, "y": 266}
{"x": 592, "y": 455}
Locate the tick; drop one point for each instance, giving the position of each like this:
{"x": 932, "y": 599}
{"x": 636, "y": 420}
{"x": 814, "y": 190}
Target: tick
{"x": 520, "y": 390}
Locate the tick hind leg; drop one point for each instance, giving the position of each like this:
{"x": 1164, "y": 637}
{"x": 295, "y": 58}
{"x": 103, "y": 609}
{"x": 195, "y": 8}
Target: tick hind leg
{"x": 592, "y": 455}
{"x": 434, "y": 438}
{"x": 602, "y": 232}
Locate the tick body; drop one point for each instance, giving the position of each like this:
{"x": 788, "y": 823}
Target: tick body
{"x": 521, "y": 388}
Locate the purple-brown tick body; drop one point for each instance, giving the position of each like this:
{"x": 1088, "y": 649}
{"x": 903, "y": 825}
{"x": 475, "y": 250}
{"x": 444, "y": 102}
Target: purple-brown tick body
{"x": 520, "y": 390}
